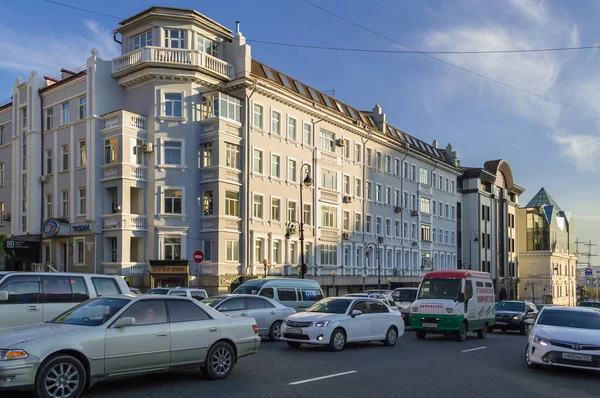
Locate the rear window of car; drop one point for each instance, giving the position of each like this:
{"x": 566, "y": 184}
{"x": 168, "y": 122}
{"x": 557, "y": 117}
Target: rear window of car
{"x": 63, "y": 289}
{"x": 177, "y": 293}
{"x": 105, "y": 286}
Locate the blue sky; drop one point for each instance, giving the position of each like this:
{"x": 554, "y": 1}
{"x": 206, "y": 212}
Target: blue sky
{"x": 546, "y": 144}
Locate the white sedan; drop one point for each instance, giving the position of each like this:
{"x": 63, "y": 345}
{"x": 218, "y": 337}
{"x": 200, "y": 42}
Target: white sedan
{"x": 565, "y": 337}
{"x": 335, "y": 321}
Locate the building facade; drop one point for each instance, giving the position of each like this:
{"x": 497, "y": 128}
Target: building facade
{"x": 489, "y": 224}
{"x": 185, "y": 143}
{"x": 547, "y": 260}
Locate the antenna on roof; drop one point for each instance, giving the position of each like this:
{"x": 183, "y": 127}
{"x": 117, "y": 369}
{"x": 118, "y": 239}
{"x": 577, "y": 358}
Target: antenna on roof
{"x": 330, "y": 93}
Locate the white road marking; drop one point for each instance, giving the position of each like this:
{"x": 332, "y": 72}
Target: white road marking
{"x": 474, "y": 349}
{"x": 321, "y": 378}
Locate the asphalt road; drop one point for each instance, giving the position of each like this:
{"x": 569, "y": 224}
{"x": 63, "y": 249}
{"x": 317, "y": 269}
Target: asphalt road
{"x": 434, "y": 367}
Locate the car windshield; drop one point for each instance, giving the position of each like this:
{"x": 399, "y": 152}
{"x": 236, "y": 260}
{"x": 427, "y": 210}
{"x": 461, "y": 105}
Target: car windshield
{"x": 405, "y": 295}
{"x": 93, "y": 312}
{"x": 331, "y": 306}
{"x": 511, "y": 306}
{"x": 157, "y": 291}
{"x": 570, "y": 319}
{"x": 589, "y": 304}
{"x": 247, "y": 290}
{"x": 213, "y": 301}
{"x": 440, "y": 289}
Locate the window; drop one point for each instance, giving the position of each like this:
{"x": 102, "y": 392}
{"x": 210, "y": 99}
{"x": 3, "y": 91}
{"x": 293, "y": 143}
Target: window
{"x": 82, "y": 108}
{"x": 79, "y": 255}
{"x": 233, "y": 250}
{"x": 447, "y": 211}
{"x": 257, "y": 161}
{"x": 234, "y": 304}
{"x": 396, "y": 197}
{"x": 327, "y": 141}
{"x": 48, "y": 161}
{"x": 106, "y": 286}
{"x": 378, "y": 226}
{"x": 258, "y": 205}
{"x": 426, "y": 233}
{"x": 423, "y": 176}
{"x": 433, "y": 178}
{"x": 2, "y": 137}
{"x": 388, "y": 163}
{"x": 208, "y": 46}
{"x": 82, "y": 208}
{"x": 346, "y": 220}
{"x": 2, "y": 174}
{"x": 405, "y": 200}
{"x": 207, "y": 250}
{"x": 292, "y": 209}
{"x": 231, "y": 107}
{"x": 49, "y": 119}
{"x": 452, "y": 187}
{"x": 413, "y": 231}
{"x": 258, "y": 250}
{"x": 24, "y": 152}
{"x": 369, "y": 190}
{"x": 328, "y": 255}
{"x": 307, "y": 134}
{"x": 413, "y": 172}
{"x": 425, "y": 202}
{"x": 307, "y": 214}
{"x": 440, "y": 209}
{"x": 276, "y": 166}
{"x": 433, "y": 234}
{"x": 232, "y": 156}
{"x": 369, "y": 155}
{"x": 369, "y": 224}
{"x": 143, "y": 40}
{"x": 82, "y": 158}
{"x": 65, "y": 204}
{"x": 275, "y": 122}
{"x": 329, "y": 179}
{"x": 397, "y": 228}
{"x": 173, "y": 152}
{"x": 446, "y": 236}
{"x": 232, "y": 203}
{"x": 329, "y": 216}
{"x": 24, "y": 118}
{"x": 208, "y": 203}
{"x": 388, "y": 227}
{"x": 110, "y": 150}
{"x": 397, "y": 167}
{"x": 173, "y": 248}
{"x": 65, "y": 158}
{"x": 286, "y": 294}
{"x": 378, "y": 193}
{"x": 173, "y": 201}
{"x": 378, "y": 308}
{"x": 147, "y": 312}
{"x": 413, "y": 202}
{"x": 114, "y": 249}
{"x": 49, "y": 206}
{"x": 405, "y": 229}
{"x": 452, "y": 237}
{"x": 185, "y": 311}
{"x": 174, "y": 38}
{"x": 173, "y": 106}
{"x": 452, "y": 213}
{"x": 388, "y": 195}
{"x": 258, "y": 116}
{"x": 357, "y": 222}
{"x": 357, "y": 153}
{"x": 405, "y": 169}
{"x": 357, "y": 187}
{"x": 276, "y": 209}
{"x": 291, "y": 174}
{"x": 277, "y": 252}
{"x": 66, "y": 113}
{"x": 378, "y": 164}
{"x": 346, "y": 148}
{"x": 311, "y": 294}
{"x": 291, "y": 130}
{"x": 22, "y": 289}
{"x": 347, "y": 185}
{"x": 446, "y": 185}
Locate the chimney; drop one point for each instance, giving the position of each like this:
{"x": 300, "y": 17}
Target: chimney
{"x": 379, "y": 118}
{"x": 435, "y": 144}
{"x": 452, "y": 155}
{"x": 237, "y": 28}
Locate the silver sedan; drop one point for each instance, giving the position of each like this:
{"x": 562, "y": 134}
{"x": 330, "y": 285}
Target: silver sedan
{"x": 116, "y": 336}
{"x": 268, "y": 313}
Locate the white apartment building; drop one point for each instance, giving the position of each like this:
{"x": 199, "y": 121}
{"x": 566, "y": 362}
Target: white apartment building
{"x": 186, "y": 143}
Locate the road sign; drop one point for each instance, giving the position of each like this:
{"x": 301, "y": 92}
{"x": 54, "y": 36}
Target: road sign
{"x": 588, "y": 272}
{"x": 198, "y": 256}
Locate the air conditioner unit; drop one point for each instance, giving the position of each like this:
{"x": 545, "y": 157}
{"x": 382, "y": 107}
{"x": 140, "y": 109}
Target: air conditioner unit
{"x": 44, "y": 179}
{"x": 398, "y": 209}
{"x": 340, "y": 142}
{"x": 345, "y": 235}
{"x": 6, "y": 217}
{"x": 348, "y": 199}
{"x": 380, "y": 239}
{"x": 148, "y": 147}
{"x": 116, "y": 207}
{"x": 414, "y": 213}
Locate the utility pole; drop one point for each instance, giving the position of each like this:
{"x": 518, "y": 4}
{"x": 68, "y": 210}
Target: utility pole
{"x": 589, "y": 254}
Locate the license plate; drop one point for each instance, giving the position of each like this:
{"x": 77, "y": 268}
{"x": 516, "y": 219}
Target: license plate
{"x": 294, "y": 331}
{"x": 501, "y": 323}
{"x": 577, "y": 357}
{"x": 430, "y": 325}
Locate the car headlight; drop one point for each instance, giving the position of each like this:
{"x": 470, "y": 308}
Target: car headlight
{"x": 449, "y": 310}
{"x": 320, "y": 324}
{"x": 415, "y": 309}
{"x": 6, "y": 355}
{"x": 541, "y": 340}
{"x": 516, "y": 317}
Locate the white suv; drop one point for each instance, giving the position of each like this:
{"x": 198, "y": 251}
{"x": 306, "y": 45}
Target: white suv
{"x": 191, "y": 292}
{"x": 386, "y": 298}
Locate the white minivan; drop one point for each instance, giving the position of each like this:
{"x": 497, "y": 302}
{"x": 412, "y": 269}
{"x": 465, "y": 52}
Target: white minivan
{"x": 35, "y": 297}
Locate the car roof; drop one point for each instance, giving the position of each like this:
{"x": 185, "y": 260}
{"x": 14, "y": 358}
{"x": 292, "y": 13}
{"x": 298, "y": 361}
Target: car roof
{"x": 178, "y": 288}
{"x": 59, "y": 274}
{"x": 513, "y": 301}
{"x": 572, "y": 309}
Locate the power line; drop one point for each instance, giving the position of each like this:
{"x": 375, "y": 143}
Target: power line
{"x": 82, "y": 9}
{"x": 454, "y": 65}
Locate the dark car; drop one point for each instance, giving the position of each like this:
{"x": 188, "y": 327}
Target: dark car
{"x": 511, "y": 315}
{"x": 588, "y": 303}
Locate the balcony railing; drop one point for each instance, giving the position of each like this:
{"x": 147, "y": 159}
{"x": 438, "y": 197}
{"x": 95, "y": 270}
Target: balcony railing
{"x": 216, "y": 173}
{"x": 117, "y": 221}
{"x": 328, "y": 196}
{"x": 425, "y": 188}
{"x": 188, "y": 59}
{"x": 123, "y": 118}
{"x": 134, "y": 269}
{"x": 219, "y": 125}
{"x": 224, "y": 224}
{"x": 116, "y": 171}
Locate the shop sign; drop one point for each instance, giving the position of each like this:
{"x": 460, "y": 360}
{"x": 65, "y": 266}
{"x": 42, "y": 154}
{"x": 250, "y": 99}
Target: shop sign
{"x": 16, "y": 244}
{"x": 177, "y": 269}
{"x": 81, "y": 228}
{"x": 229, "y": 280}
{"x": 50, "y": 228}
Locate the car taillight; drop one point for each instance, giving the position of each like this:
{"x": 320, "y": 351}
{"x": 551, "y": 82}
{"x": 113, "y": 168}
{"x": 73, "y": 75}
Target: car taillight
{"x": 255, "y": 327}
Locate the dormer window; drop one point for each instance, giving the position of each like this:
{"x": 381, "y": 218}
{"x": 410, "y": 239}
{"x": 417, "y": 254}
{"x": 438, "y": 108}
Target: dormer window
{"x": 143, "y": 40}
{"x": 174, "y": 38}
{"x": 208, "y": 46}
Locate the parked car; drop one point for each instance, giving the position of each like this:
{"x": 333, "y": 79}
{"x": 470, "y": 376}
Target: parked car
{"x": 540, "y": 306}
{"x": 384, "y": 297}
{"x": 135, "y": 290}
{"x": 511, "y": 315}
{"x": 34, "y": 297}
{"x": 336, "y": 321}
{"x": 404, "y": 297}
{"x": 113, "y": 336}
{"x": 589, "y": 303}
{"x": 564, "y": 337}
{"x": 298, "y": 294}
{"x": 268, "y": 313}
{"x": 195, "y": 293}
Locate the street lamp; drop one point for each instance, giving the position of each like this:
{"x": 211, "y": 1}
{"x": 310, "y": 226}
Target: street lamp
{"x": 308, "y": 182}
{"x": 333, "y": 274}
{"x": 369, "y": 249}
{"x": 389, "y": 283}
{"x": 363, "y": 276}
{"x": 475, "y": 239}
{"x": 265, "y": 263}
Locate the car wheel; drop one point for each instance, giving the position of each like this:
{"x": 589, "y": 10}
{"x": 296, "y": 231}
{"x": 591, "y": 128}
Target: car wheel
{"x": 420, "y": 334}
{"x": 391, "y": 337}
{"x": 219, "y": 361}
{"x": 338, "y": 340}
{"x": 530, "y": 364}
{"x": 275, "y": 331}
{"x": 523, "y": 329}
{"x": 461, "y": 335}
{"x": 61, "y": 376}
{"x": 294, "y": 344}
{"x": 482, "y": 333}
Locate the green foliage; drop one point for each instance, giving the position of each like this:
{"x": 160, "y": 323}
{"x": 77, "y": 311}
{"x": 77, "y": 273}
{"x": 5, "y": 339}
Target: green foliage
{"x": 3, "y": 252}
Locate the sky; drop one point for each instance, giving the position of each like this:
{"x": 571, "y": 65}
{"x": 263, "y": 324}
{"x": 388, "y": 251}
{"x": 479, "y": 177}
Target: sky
{"x": 546, "y": 144}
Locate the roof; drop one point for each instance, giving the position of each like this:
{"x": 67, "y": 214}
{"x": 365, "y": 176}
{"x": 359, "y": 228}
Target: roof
{"x": 456, "y": 273}
{"x": 543, "y": 198}
{"x": 492, "y": 165}
{"x": 358, "y": 117}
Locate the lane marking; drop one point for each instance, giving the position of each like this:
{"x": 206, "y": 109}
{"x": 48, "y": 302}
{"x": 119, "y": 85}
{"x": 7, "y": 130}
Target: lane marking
{"x": 321, "y": 378}
{"x": 475, "y": 349}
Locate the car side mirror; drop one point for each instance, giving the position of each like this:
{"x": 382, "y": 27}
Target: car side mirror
{"x": 530, "y": 310}
{"x": 529, "y": 321}
{"x": 355, "y": 313}
{"x": 124, "y": 322}
{"x": 3, "y": 296}
{"x": 461, "y": 297}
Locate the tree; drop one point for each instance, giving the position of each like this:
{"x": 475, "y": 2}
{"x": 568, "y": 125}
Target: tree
{"x": 5, "y": 254}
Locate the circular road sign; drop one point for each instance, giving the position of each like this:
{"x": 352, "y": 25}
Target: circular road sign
{"x": 198, "y": 256}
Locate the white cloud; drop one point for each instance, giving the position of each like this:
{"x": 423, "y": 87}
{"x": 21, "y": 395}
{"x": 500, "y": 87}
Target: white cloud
{"x": 581, "y": 150}
{"x": 532, "y": 9}
{"x": 24, "y": 50}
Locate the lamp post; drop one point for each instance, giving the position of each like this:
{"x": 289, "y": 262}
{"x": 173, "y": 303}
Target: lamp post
{"x": 363, "y": 276}
{"x": 389, "y": 283}
{"x": 475, "y": 239}
{"x": 532, "y": 284}
{"x": 370, "y": 248}
{"x": 308, "y": 182}
{"x": 265, "y": 264}
{"x": 333, "y": 274}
